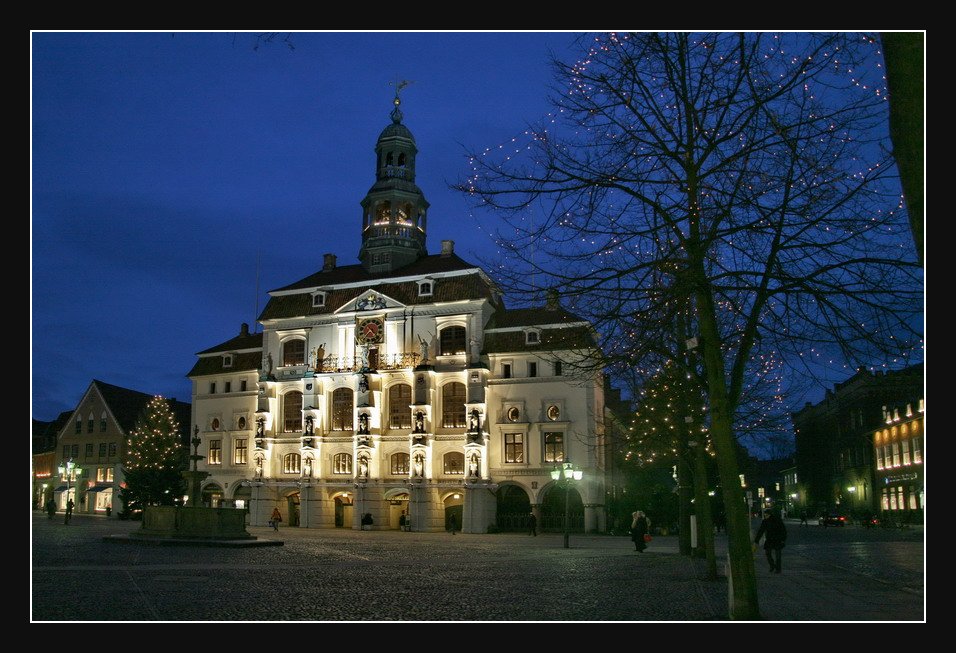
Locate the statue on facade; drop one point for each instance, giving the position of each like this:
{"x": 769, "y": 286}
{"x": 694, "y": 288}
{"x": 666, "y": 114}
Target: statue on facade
{"x": 363, "y": 424}
{"x": 475, "y": 343}
{"x": 363, "y": 466}
{"x": 363, "y": 384}
{"x": 419, "y": 422}
{"x": 419, "y": 464}
{"x": 307, "y": 468}
{"x": 473, "y": 463}
{"x": 319, "y": 358}
{"x": 474, "y": 420}
{"x": 423, "y": 345}
{"x": 258, "y": 468}
{"x": 309, "y": 424}
{"x": 363, "y": 353}
{"x": 260, "y": 427}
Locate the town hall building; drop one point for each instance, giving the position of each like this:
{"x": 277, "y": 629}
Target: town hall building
{"x": 401, "y": 391}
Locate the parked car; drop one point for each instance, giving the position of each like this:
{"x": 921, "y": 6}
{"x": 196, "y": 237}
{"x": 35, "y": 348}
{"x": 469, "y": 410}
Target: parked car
{"x": 832, "y": 519}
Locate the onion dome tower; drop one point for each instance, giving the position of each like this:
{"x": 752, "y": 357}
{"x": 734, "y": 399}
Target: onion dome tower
{"x": 393, "y": 211}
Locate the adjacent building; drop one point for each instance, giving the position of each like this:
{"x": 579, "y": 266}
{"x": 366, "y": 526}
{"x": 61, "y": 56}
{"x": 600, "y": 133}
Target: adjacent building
{"x": 899, "y": 452}
{"x": 90, "y": 443}
{"x": 836, "y": 468}
{"x": 402, "y": 389}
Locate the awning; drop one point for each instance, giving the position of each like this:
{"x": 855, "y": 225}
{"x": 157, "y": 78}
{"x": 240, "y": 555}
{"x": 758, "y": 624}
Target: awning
{"x": 100, "y": 488}
{"x": 61, "y": 488}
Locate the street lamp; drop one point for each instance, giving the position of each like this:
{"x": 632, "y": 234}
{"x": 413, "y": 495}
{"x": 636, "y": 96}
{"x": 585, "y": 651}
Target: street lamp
{"x": 565, "y": 475}
{"x": 70, "y": 469}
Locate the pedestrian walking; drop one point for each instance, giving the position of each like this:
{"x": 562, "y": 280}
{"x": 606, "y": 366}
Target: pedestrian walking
{"x": 69, "y": 511}
{"x": 774, "y": 532}
{"x": 402, "y": 521}
{"x": 803, "y": 518}
{"x": 720, "y": 521}
{"x": 452, "y": 523}
{"x": 275, "y": 519}
{"x": 532, "y": 525}
{"x": 50, "y": 508}
{"x": 639, "y": 528}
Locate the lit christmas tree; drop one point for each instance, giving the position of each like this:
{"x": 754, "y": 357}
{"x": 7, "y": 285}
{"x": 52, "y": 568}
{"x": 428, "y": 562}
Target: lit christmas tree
{"x": 155, "y": 458}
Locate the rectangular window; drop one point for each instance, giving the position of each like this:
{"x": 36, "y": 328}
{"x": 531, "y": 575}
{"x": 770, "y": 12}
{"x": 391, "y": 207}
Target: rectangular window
{"x": 532, "y": 369}
{"x": 227, "y": 361}
{"x": 892, "y": 499}
{"x": 102, "y": 449}
{"x": 101, "y": 473}
{"x": 242, "y": 386}
{"x": 914, "y": 504}
{"x": 553, "y": 447}
{"x": 506, "y": 370}
{"x": 906, "y": 451}
{"x": 896, "y": 454}
{"x": 917, "y": 455}
{"x": 112, "y": 449}
{"x": 215, "y": 452}
{"x": 75, "y": 451}
{"x": 102, "y": 424}
{"x": 79, "y": 426}
{"x": 89, "y": 425}
{"x": 514, "y": 447}
{"x": 109, "y": 475}
{"x": 66, "y": 451}
{"x": 89, "y": 450}
{"x": 241, "y": 451}
{"x": 885, "y": 500}
{"x": 212, "y": 388}
{"x": 228, "y": 387}
{"x": 557, "y": 368}
{"x": 899, "y": 498}
{"x": 879, "y": 457}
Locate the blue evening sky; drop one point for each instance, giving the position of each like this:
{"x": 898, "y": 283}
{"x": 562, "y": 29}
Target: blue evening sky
{"x": 164, "y": 163}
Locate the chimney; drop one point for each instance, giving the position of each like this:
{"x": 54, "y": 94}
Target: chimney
{"x": 329, "y": 263}
{"x": 551, "y": 299}
{"x": 244, "y": 329}
{"x": 447, "y": 247}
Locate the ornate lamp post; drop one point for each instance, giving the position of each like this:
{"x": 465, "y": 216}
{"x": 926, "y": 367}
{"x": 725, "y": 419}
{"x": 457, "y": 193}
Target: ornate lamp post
{"x": 565, "y": 475}
{"x": 69, "y": 469}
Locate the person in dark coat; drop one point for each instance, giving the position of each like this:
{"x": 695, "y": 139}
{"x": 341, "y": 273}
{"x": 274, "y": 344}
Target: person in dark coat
{"x": 532, "y": 525}
{"x": 776, "y": 537}
{"x": 638, "y": 530}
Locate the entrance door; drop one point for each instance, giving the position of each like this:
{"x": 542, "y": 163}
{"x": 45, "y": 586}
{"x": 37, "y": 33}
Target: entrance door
{"x": 293, "y": 509}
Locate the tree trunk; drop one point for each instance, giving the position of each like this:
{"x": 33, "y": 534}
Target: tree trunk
{"x": 684, "y": 488}
{"x": 744, "y": 604}
{"x": 705, "y": 520}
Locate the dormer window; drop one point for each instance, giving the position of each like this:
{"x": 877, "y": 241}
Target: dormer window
{"x": 426, "y": 288}
{"x": 532, "y": 337}
{"x": 227, "y": 360}
{"x": 318, "y": 299}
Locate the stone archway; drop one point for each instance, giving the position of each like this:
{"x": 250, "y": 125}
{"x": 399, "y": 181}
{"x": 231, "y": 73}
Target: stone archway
{"x": 291, "y": 504}
{"x": 454, "y": 508}
{"x": 212, "y": 495}
{"x": 344, "y": 502}
{"x": 513, "y": 509}
{"x": 552, "y": 510}
{"x": 397, "y": 505}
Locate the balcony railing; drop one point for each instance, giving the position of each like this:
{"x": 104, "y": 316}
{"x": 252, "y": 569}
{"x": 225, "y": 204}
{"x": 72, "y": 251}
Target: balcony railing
{"x": 352, "y": 364}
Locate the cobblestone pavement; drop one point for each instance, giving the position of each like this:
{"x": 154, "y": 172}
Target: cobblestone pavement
{"x": 390, "y": 575}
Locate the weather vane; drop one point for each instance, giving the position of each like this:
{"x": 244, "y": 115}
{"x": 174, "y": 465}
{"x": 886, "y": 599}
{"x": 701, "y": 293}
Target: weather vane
{"x": 399, "y": 85}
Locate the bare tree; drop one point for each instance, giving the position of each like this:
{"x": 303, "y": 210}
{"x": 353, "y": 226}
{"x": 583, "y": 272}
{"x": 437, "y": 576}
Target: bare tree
{"x": 740, "y": 180}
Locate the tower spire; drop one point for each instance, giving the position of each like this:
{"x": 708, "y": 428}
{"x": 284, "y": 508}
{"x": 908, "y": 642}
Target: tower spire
{"x": 393, "y": 211}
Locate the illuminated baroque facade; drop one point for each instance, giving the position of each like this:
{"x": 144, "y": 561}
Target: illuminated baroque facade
{"x": 898, "y": 452}
{"x": 401, "y": 386}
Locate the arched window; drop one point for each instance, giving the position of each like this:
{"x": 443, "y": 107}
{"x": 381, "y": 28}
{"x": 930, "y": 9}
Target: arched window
{"x": 401, "y": 159}
{"x": 89, "y": 423}
{"x": 342, "y": 463}
{"x": 293, "y": 352}
{"x": 389, "y": 159}
{"x": 79, "y": 424}
{"x": 291, "y": 463}
{"x": 454, "y": 462}
{"x": 399, "y": 412}
{"x": 103, "y": 421}
{"x": 400, "y": 463}
{"x": 452, "y": 340}
{"x": 453, "y": 405}
{"x": 292, "y": 412}
{"x": 342, "y": 404}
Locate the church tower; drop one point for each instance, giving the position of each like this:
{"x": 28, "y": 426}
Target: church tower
{"x": 393, "y": 211}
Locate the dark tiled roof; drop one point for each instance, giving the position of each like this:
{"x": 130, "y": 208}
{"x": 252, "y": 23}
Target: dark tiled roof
{"x": 127, "y": 405}
{"x": 469, "y": 286}
{"x": 242, "y": 341}
{"x": 240, "y": 363}
{"x": 46, "y": 441}
{"x": 352, "y": 273}
{"x": 531, "y": 316}
{"x": 551, "y": 340}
